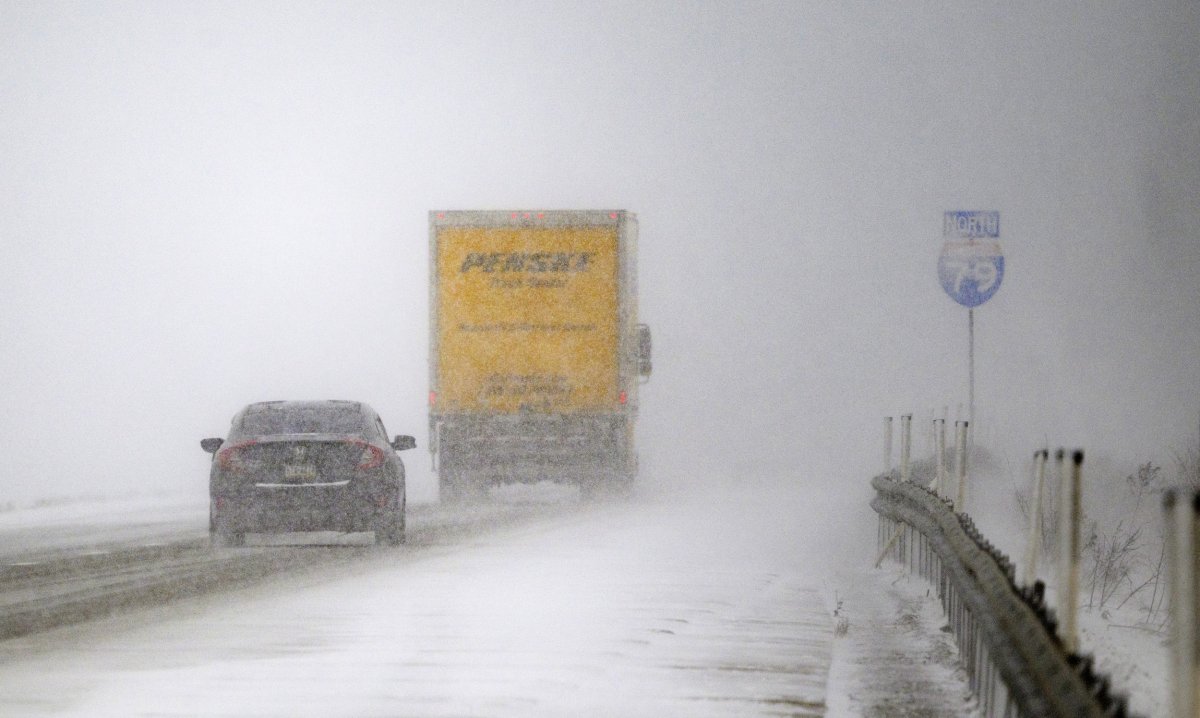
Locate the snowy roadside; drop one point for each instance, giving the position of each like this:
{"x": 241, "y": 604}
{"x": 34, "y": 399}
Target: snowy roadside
{"x": 896, "y": 657}
{"x": 100, "y": 509}
{"x": 892, "y": 656}
{"x": 1134, "y": 657}
{"x": 52, "y": 526}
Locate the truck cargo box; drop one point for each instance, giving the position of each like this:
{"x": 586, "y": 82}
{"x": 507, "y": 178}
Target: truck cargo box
{"x": 535, "y": 349}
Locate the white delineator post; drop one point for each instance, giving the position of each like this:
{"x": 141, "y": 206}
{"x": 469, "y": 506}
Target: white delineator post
{"x": 939, "y": 454}
{"x": 932, "y": 433}
{"x": 1180, "y": 512}
{"x": 1068, "y": 613}
{"x": 887, "y": 445}
{"x": 1192, "y": 637}
{"x": 1059, "y": 548}
{"x": 1035, "y": 517}
{"x": 960, "y": 464}
{"x": 905, "y": 426}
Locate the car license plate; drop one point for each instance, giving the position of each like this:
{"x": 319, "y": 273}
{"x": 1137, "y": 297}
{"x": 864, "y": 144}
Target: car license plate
{"x": 299, "y": 472}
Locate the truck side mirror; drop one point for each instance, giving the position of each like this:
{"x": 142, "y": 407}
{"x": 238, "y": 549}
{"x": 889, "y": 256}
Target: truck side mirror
{"x": 403, "y": 443}
{"x": 643, "y": 350}
{"x": 211, "y": 445}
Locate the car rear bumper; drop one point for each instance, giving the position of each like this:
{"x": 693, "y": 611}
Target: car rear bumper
{"x": 293, "y": 508}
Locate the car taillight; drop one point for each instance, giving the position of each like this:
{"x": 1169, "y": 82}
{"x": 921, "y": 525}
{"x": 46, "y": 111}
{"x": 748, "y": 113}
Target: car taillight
{"x": 231, "y": 459}
{"x": 372, "y": 457}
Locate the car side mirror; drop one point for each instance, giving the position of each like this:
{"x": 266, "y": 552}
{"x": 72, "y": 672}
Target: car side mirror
{"x": 211, "y": 445}
{"x": 403, "y": 443}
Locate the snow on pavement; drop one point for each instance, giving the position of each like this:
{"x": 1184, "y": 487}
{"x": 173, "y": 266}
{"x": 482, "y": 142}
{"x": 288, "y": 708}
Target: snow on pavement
{"x": 706, "y": 609}
{"x": 894, "y": 659}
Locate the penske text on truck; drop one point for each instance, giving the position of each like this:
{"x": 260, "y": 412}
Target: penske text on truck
{"x": 536, "y": 353}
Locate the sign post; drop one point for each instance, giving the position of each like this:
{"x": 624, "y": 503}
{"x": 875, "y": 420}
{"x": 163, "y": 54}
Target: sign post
{"x": 970, "y": 269}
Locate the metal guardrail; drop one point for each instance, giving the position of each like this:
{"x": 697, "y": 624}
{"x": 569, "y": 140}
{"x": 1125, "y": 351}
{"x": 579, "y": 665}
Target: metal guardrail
{"x": 1007, "y": 636}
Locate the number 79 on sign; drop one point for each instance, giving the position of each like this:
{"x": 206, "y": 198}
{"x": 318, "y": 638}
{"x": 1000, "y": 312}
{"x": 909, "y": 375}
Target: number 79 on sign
{"x": 971, "y": 271}
{"x": 982, "y": 272}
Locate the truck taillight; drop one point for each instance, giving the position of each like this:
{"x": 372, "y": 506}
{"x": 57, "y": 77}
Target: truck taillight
{"x": 432, "y": 398}
{"x": 623, "y": 397}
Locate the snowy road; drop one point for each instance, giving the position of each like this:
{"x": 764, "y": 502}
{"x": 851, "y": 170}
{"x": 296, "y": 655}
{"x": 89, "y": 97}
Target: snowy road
{"x": 91, "y": 559}
{"x": 651, "y": 608}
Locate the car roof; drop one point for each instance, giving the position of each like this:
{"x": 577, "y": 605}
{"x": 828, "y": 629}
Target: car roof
{"x": 276, "y": 405}
{"x": 263, "y": 407}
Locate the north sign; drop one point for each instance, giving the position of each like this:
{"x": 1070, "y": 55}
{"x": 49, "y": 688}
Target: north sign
{"x": 971, "y": 265}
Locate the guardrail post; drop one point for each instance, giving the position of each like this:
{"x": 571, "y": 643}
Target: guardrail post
{"x": 932, "y": 427}
{"x": 891, "y": 541}
{"x": 887, "y": 445}
{"x": 1035, "y": 518}
{"x": 899, "y": 536}
{"x": 1060, "y": 528}
{"x": 940, "y": 449}
{"x": 960, "y": 461}
{"x": 1180, "y": 519}
{"x": 1069, "y": 591}
{"x": 1191, "y": 639}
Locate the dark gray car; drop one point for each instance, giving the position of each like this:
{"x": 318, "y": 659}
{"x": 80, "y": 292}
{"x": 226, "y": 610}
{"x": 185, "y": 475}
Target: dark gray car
{"x": 306, "y": 466}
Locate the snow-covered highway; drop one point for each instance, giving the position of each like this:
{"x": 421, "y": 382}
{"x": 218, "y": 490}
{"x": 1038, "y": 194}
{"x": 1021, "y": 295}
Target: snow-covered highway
{"x": 706, "y": 605}
{"x": 77, "y": 561}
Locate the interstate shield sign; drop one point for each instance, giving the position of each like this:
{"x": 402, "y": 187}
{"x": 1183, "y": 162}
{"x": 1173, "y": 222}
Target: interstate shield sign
{"x": 971, "y": 265}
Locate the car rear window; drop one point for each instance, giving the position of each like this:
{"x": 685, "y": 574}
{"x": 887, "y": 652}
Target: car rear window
{"x": 302, "y": 420}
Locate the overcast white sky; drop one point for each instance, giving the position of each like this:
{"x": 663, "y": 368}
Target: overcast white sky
{"x": 207, "y": 204}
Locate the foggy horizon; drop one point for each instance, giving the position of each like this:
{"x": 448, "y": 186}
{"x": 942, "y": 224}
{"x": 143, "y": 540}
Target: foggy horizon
{"x": 207, "y": 205}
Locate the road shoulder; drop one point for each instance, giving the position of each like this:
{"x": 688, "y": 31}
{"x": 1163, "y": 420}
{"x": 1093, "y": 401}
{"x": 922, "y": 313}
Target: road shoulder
{"x": 892, "y": 655}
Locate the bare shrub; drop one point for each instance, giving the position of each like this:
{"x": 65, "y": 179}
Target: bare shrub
{"x": 1124, "y": 547}
{"x": 1121, "y": 564}
{"x": 1113, "y": 556}
{"x": 1146, "y": 481}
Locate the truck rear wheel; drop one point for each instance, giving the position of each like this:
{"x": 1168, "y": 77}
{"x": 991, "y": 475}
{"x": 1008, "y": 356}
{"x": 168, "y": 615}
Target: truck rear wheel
{"x": 622, "y": 486}
{"x": 227, "y": 539}
{"x": 615, "y": 485}
{"x": 454, "y": 488}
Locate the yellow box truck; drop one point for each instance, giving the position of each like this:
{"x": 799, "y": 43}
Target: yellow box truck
{"x": 536, "y": 352}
